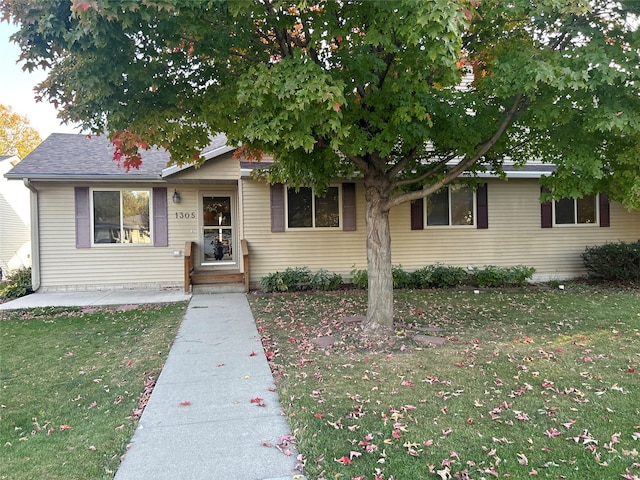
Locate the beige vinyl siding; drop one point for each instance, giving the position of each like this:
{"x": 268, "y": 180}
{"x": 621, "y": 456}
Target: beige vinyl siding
{"x": 224, "y": 167}
{"x": 65, "y": 267}
{"x": 331, "y": 249}
{"x": 514, "y": 237}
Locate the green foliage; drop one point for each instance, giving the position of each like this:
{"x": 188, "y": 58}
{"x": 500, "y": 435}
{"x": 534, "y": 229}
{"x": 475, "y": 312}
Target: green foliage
{"x": 438, "y": 276}
{"x": 18, "y": 284}
{"x": 493, "y": 276}
{"x": 300, "y": 278}
{"x": 359, "y": 278}
{"x": 324, "y": 280}
{"x": 613, "y": 261}
{"x": 401, "y": 279}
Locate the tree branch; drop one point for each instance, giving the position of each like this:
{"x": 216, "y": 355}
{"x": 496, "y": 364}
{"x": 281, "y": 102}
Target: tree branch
{"x": 520, "y": 104}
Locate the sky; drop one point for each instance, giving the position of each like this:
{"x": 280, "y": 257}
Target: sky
{"x": 16, "y": 89}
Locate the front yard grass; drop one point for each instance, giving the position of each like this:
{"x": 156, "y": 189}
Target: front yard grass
{"x": 71, "y": 382}
{"x": 530, "y": 383}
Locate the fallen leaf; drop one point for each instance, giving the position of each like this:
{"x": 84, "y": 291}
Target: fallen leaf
{"x": 185, "y": 403}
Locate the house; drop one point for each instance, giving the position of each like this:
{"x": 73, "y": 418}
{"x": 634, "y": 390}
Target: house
{"x": 15, "y": 221}
{"x": 168, "y": 226}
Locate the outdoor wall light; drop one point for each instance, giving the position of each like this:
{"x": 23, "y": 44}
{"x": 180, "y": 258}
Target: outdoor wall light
{"x": 176, "y": 197}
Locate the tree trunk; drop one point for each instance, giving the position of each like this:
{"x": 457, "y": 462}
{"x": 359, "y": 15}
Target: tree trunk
{"x": 379, "y": 322}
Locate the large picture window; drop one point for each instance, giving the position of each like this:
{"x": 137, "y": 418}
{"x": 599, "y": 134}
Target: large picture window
{"x": 121, "y": 216}
{"x": 453, "y": 205}
{"x": 569, "y": 211}
{"x": 305, "y": 209}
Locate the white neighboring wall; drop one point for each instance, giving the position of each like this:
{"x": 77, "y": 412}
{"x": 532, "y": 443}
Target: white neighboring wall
{"x": 15, "y": 221}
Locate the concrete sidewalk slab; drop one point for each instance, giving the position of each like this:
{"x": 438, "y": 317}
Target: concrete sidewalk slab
{"x": 96, "y": 298}
{"x": 200, "y": 422}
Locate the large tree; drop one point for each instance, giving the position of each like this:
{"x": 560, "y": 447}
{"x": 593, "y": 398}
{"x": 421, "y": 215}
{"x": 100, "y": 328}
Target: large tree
{"x": 17, "y": 136}
{"x": 407, "y": 94}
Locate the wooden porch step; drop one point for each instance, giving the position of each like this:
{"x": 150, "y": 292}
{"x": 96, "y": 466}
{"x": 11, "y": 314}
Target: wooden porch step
{"x": 216, "y": 278}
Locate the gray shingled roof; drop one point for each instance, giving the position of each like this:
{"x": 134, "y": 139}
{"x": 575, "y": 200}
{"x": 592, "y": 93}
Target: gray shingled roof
{"x": 63, "y": 155}
{"x": 69, "y": 156}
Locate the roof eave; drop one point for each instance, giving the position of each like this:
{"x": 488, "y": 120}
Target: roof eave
{"x": 84, "y": 178}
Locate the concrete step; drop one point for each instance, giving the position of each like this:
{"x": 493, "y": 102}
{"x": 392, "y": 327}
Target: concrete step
{"x": 219, "y": 288}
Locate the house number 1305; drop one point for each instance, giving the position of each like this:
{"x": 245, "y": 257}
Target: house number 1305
{"x": 185, "y": 214}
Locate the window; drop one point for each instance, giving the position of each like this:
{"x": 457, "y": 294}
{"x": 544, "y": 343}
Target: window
{"x": 453, "y": 205}
{"x": 305, "y": 209}
{"x": 121, "y": 216}
{"x": 569, "y": 211}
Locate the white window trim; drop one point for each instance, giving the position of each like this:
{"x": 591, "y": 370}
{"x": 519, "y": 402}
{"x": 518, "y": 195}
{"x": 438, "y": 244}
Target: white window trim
{"x": 470, "y": 225}
{"x": 313, "y": 211}
{"x": 575, "y": 215}
{"x": 122, "y": 244}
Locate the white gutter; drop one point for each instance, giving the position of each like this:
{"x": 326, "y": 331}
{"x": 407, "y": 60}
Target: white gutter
{"x": 35, "y": 237}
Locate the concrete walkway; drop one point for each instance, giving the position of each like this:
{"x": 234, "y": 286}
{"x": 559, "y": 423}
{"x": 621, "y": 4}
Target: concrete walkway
{"x": 96, "y": 298}
{"x": 200, "y": 422}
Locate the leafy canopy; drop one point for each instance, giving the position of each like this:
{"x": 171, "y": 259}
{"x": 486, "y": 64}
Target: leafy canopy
{"x": 396, "y": 90}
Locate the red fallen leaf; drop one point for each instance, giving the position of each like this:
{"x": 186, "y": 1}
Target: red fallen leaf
{"x": 406, "y": 383}
{"x": 253, "y": 354}
{"x": 396, "y": 434}
{"x": 319, "y": 415}
{"x": 256, "y": 400}
{"x": 272, "y": 389}
{"x": 185, "y": 403}
{"x": 552, "y": 432}
{"x": 269, "y": 355}
{"x": 631, "y": 370}
{"x": 220, "y": 365}
{"x": 428, "y": 443}
{"x": 130, "y": 363}
{"x": 267, "y": 444}
{"x": 343, "y": 460}
{"x": 65, "y": 427}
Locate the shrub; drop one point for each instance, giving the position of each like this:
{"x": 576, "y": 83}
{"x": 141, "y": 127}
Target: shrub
{"x": 18, "y": 284}
{"x": 359, "y": 278}
{"x": 324, "y": 280}
{"x": 492, "y": 276}
{"x": 613, "y": 261}
{"x": 300, "y": 278}
{"x": 401, "y": 279}
{"x": 439, "y": 276}
{"x": 448, "y": 276}
{"x": 291, "y": 279}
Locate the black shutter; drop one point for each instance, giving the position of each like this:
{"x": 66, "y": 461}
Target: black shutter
{"x": 483, "y": 207}
{"x": 349, "y": 207}
{"x": 417, "y": 214}
{"x": 605, "y": 218}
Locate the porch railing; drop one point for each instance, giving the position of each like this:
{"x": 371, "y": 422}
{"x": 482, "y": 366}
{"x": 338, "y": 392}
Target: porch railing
{"x": 188, "y": 265}
{"x": 189, "y": 269}
{"x": 244, "y": 247}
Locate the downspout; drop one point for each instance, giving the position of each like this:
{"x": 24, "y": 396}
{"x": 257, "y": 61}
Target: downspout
{"x": 35, "y": 235}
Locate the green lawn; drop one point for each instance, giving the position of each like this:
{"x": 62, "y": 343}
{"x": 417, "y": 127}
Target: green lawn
{"x": 530, "y": 383}
{"x": 70, "y": 380}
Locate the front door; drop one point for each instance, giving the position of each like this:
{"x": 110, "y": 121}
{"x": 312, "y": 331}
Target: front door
{"x": 218, "y": 229}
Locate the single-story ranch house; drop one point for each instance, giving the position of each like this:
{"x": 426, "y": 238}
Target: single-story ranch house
{"x": 97, "y": 227}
